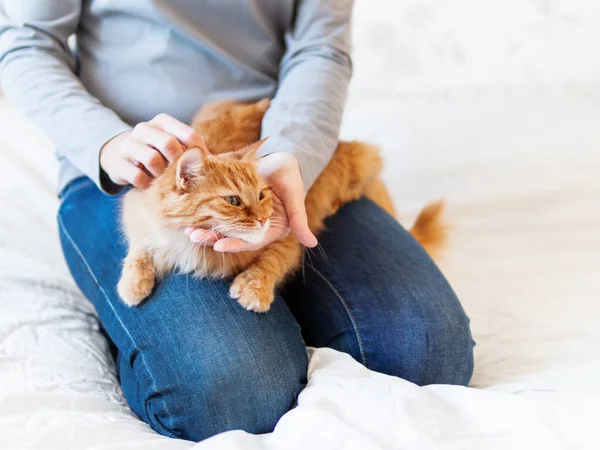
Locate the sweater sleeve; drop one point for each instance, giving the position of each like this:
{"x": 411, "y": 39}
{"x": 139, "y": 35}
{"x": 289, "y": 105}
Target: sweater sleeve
{"x": 306, "y": 113}
{"x": 37, "y": 73}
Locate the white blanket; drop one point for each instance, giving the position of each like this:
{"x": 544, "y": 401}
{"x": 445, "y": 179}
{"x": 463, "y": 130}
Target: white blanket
{"x": 520, "y": 173}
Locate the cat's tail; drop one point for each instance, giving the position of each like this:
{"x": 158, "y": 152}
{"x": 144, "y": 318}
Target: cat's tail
{"x": 354, "y": 171}
{"x": 430, "y": 228}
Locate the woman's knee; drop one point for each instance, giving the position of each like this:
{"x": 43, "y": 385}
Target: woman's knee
{"x": 427, "y": 342}
{"x": 241, "y": 381}
{"x": 251, "y": 395}
{"x": 394, "y": 309}
{"x": 447, "y": 352}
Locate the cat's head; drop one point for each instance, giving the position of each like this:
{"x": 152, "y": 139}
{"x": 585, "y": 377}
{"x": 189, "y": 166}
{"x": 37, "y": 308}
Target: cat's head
{"x": 222, "y": 192}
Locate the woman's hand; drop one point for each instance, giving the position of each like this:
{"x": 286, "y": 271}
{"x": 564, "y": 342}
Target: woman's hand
{"x": 137, "y": 156}
{"x": 289, "y": 214}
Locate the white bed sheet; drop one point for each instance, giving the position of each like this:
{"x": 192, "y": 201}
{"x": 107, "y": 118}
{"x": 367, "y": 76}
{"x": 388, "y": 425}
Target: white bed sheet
{"x": 520, "y": 171}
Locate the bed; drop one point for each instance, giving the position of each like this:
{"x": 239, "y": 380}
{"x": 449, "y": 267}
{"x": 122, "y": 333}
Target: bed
{"x": 517, "y": 159}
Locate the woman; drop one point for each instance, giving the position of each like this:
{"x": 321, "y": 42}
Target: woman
{"x": 192, "y": 362}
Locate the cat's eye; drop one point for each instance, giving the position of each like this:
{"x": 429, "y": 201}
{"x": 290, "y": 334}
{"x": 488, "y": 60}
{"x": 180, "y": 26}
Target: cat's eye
{"x": 233, "y": 200}
{"x": 261, "y": 195}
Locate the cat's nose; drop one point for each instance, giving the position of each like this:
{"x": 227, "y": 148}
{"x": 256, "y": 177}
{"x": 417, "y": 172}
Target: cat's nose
{"x": 262, "y": 221}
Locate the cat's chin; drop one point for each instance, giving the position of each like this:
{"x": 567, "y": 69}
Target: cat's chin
{"x": 252, "y": 237}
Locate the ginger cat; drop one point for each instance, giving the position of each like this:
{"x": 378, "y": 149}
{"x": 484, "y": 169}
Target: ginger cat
{"x": 220, "y": 189}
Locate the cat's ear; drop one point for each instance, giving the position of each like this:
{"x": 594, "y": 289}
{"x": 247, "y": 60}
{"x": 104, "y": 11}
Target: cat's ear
{"x": 188, "y": 166}
{"x": 247, "y": 153}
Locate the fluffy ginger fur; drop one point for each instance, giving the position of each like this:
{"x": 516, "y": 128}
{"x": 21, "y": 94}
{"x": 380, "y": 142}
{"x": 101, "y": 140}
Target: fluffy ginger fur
{"x": 197, "y": 190}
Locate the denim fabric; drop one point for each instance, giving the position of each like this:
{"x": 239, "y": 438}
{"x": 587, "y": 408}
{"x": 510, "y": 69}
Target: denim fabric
{"x": 193, "y": 363}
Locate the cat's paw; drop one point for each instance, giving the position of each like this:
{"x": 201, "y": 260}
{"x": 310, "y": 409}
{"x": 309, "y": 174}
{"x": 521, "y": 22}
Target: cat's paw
{"x": 253, "y": 291}
{"x": 134, "y": 291}
{"x": 137, "y": 281}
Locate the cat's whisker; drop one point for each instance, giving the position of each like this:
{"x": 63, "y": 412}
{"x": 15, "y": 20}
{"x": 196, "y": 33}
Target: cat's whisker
{"x": 213, "y": 229}
{"x": 303, "y": 267}
{"x": 308, "y": 253}
{"x": 282, "y": 227}
{"x": 202, "y": 242}
{"x": 322, "y": 251}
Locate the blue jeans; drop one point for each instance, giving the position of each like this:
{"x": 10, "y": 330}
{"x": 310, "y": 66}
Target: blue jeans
{"x": 194, "y": 363}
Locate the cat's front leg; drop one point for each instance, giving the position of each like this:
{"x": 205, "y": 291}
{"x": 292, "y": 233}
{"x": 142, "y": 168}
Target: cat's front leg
{"x": 137, "y": 278}
{"x": 254, "y": 288}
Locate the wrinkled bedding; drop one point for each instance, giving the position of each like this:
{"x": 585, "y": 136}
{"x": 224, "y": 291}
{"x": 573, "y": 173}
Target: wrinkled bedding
{"x": 520, "y": 172}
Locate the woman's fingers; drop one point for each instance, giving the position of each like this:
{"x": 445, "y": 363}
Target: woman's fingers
{"x": 282, "y": 171}
{"x": 152, "y": 145}
{"x": 166, "y": 144}
{"x": 151, "y": 159}
{"x": 134, "y": 175}
{"x": 182, "y": 132}
{"x": 292, "y": 197}
{"x": 234, "y": 245}
{"x": 202, "y": 236}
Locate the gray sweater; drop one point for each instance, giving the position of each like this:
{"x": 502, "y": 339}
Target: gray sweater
{"x": 134, "y": 59}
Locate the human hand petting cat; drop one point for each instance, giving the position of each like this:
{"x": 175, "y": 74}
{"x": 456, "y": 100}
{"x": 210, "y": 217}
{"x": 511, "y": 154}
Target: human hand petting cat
{"x": 282, "y": 172}
{"x": 137, "y": 156}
